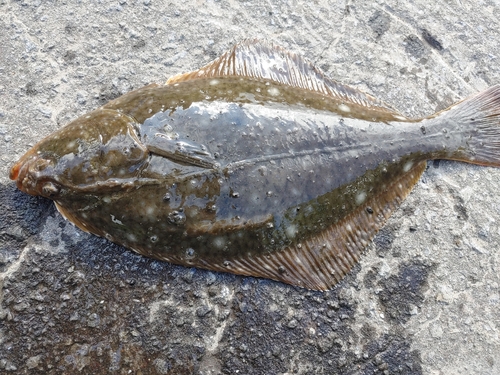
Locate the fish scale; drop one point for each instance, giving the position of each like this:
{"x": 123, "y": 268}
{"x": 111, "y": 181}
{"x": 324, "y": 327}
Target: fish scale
{"x": 256, "y": 164}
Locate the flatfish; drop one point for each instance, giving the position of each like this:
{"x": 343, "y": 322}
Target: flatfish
{"x": 256, "y": 164}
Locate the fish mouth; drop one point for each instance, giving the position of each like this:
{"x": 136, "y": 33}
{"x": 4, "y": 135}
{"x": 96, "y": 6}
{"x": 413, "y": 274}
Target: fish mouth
{"x": 19, "y": 170}
{"x": 20, "y": 173}
{"x": 14, "y": 171}
{"x": 31, "y": 177}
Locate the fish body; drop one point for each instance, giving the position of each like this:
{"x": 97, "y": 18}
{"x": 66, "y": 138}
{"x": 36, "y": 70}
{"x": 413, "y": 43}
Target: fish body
{"x": 250, "y": 167}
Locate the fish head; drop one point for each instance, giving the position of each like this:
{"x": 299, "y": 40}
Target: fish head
{"x": 90, "y": 153}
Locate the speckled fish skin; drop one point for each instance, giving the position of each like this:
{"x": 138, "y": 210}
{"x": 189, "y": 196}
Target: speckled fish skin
{"x": 250, "y": 173}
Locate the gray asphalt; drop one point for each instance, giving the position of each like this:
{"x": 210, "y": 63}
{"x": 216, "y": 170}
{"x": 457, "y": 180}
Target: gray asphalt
{"x": 425, "y": 298}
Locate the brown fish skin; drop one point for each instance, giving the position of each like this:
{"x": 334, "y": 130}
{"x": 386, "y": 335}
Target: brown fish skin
{"x": 274, "y": 172}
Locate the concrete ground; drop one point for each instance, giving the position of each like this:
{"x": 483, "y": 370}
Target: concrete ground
{"x": 425, "y": 298}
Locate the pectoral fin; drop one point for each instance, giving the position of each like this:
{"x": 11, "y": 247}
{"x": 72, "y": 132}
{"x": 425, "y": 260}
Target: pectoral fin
{"x": 159, "y": 137}
{"x": 181, "y": 150}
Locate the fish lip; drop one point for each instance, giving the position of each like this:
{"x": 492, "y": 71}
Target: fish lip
{"x": 14, "y": 171}
{"x": 19, "y": 173}
{"x": 27, "y": 174}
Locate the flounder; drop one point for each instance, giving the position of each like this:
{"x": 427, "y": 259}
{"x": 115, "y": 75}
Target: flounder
{"x": 256, "y": 164}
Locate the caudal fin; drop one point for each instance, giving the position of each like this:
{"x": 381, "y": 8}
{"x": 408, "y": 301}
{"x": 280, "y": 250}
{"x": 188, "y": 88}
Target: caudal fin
{"x": 480, "y": 113}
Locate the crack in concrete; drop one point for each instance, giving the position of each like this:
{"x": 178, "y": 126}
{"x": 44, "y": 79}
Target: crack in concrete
{"x": 15, "y": 265}
{"x": 9, "y": 272}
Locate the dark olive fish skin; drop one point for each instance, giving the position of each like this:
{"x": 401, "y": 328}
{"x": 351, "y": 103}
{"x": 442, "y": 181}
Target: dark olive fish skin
{"x": 249, "y": 174}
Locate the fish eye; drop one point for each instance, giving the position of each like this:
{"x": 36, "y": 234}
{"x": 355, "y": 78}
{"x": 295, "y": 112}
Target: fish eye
{"x": 41, "y": 164}
{"x": 49, "y": 189}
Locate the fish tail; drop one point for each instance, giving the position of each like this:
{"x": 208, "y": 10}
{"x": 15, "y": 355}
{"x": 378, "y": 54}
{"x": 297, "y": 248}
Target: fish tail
{"x": 479, "y": 117}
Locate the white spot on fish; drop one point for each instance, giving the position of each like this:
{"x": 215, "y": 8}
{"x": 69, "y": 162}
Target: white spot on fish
{"x": 400, "y": 118}
{"x": 360, "y": 197}
{"x": 291, "y": 231}
{"x": 214, "y": 82}
{"x": 255, "y": 197}
{"x": 132, "y": 238}
{"x": 219, "y": 242}
{"x": 115, "y": 220}
{"x": 407, "y": 166}
{"x": 150, "y": 210}
{"x": 344, "y": 108}
{"x": 273, "y": 91}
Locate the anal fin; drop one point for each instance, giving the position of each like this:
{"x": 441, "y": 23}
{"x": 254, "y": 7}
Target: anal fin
{"x": 70, "y": 217}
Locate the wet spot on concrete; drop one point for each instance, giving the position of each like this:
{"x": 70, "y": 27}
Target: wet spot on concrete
{"x": 270, "y": 338}
{"x": 409, "y": 210}
{"x": 325, "y": 67}
{"x": 398, "y": 358}
{"x": 267, "y": 327}
{"x": 461, "y": 211}
{"x": 22, "y": 217}
{"x": 370, "y": 278}
{"x": 431, "y": 40}
{"x": 31, "y": 89}
{"x": 139, "y": 44}
{"x": 70, "y": 28}
{"x": 459, "y": 206}
{"x": 403, "y": 293}
{"x": 82, "y": 291}
{"x": 384, "y": 239}
{"x": 108, "y": 94}
{"x": 69, "y": 56}
{"x": 380, "y": 23}
{"x": 414, "y": 46}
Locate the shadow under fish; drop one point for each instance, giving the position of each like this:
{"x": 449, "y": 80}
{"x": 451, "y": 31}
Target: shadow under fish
{"x": 256, "y": 164}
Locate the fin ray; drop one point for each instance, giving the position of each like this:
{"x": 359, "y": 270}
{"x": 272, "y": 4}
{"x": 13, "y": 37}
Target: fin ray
{"x": 71, "y": 218}
{"x": 258, "y": 60}
{"x": 480, "y": 117}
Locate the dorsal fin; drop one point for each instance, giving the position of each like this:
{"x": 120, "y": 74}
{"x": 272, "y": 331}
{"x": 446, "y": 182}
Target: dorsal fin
{"x": 323, "y": 260}
{"x": 255, "y": 59}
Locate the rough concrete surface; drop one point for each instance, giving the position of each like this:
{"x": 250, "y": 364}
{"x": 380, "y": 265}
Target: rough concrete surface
{"x": 425, "y": 298}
